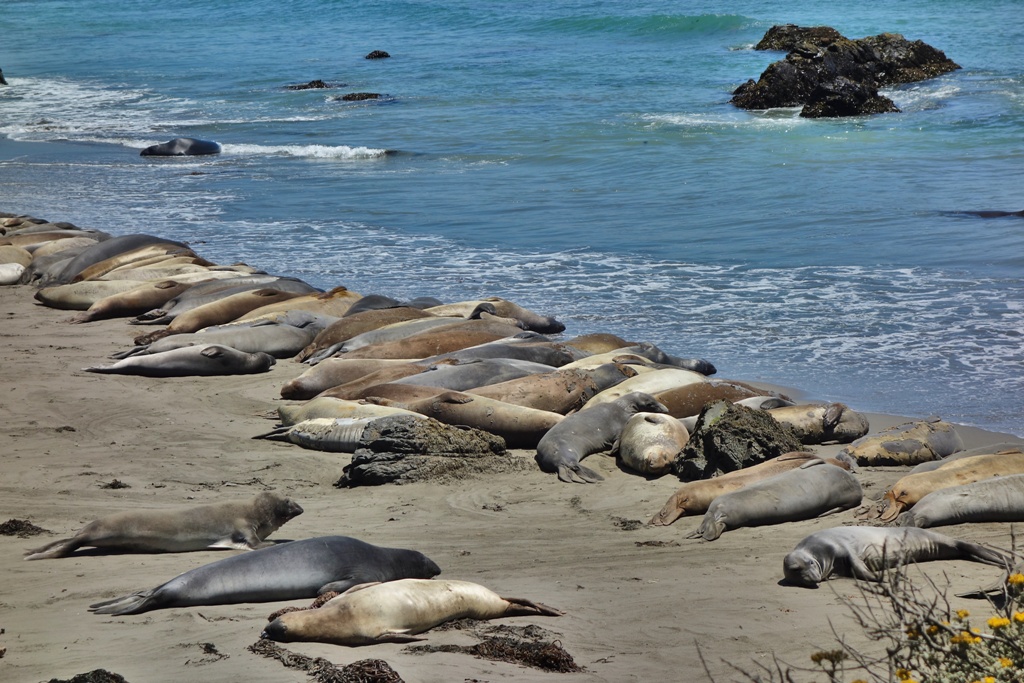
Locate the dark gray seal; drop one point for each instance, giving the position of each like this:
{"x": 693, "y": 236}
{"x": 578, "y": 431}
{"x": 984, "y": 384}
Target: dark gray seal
{"x": 864, "y": 551}
{"x": 811, "y": 490}
{"x": 997, "y": 499}
{"x": 288, "y": 571}
{"x": 211, "y": 359}
{"x": 180, "y": 147}
{"x": 590, "y": 430}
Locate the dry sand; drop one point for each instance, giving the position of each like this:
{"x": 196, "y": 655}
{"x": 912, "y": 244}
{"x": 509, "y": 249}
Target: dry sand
{"x": 632, "y": 611}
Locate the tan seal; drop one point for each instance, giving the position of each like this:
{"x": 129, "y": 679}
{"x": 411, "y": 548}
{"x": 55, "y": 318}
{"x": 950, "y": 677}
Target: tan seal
{"x": 238, "y": 525}
{"x": 649, "y": 442}
{"x": 395, "y": 611}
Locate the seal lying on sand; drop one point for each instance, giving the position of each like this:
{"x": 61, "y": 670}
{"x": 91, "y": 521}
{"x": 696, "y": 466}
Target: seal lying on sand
{"x": 396, "y": 611}
{"x": 814, "y": 489}
{"x": 999, "y": 499}
{"x": 209, "y": 359}
{"x": 864, "y": 551}
{"x": 589, "y": 431}
{"x": 239, "y": 525}
{"x": 288, "y": 571}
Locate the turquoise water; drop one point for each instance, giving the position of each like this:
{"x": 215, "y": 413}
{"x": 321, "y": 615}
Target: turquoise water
{"x": 580, "y": 158}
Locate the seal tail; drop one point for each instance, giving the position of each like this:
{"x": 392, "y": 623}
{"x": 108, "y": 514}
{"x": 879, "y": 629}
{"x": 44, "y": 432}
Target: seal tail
{"x": 578, "y": 474}
{"x": 277, "y": 434}
{"x": 136, "y": 603}
{"x": 60, "y": 548}
{"x": 979, "y": 553}
{"x": 519, "y": 607}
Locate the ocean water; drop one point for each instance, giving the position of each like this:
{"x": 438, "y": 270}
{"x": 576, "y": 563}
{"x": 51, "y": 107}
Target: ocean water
{"x": 580, "y": 158}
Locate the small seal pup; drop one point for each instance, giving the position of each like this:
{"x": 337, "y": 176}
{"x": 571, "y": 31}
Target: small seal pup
{"x": 590, "y": 430}
{"x": 287, "y": 571}
{"x": 239, "y": 525}
{"x": 864, "y": 551}
{"x": 396, "y": 611}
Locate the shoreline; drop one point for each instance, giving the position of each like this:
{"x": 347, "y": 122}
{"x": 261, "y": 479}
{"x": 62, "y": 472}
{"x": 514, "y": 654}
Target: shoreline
{"x": 638, "y": 603}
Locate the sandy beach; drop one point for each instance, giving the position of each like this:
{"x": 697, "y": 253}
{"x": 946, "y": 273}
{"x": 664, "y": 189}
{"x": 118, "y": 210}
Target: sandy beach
{"x": 640, "y": 602}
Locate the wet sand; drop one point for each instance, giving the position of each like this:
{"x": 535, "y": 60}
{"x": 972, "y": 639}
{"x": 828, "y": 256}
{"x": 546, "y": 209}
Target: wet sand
{"x": 639, "y": 601}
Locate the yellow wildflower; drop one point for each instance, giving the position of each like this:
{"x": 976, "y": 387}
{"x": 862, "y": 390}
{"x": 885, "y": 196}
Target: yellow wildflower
{"x": 962, "y": 614}
{"x": 1018, "y": 616}
{"x": 998, "y": 622}
{"x": 1005, "y": 662}
{"x": 933, "y": 629}
{"x": 902, "y": 674}
{"x": 1015, "y": 579}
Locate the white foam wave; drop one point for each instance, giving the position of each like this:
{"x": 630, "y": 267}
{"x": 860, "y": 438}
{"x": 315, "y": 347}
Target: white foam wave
{"x": 784, "y": 118}
{"x": 311, "y": 151}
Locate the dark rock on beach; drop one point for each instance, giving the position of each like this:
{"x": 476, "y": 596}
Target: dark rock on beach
{"x": 94, "y": 676}
{"x": 402, "y": 449}
{"x": 729, "y": 437}
{"x": 873, "y": 62}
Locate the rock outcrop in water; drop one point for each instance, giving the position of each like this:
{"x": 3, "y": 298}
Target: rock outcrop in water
{"x": 835, "y": 76}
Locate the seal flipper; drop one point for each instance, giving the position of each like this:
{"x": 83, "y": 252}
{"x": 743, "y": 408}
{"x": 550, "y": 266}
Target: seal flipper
{"x": 134, "y": 351}
{"x": 518, "y": 607}
{"x": 136, "y": 603}
{"x": 711, "y": 528}
{"x": 340, "y": 586}
{"x": 60, "y": 548}
{"x": 578, "y": 474}
{"x": 277, "y": 434}
{"x": 400, "y": 636}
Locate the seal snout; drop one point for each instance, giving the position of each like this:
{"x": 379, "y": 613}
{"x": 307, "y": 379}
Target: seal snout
{"x": 275, "y": 630}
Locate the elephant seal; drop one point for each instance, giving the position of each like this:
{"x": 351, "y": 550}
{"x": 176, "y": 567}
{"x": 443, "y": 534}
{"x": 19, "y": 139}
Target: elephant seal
{"x": 652, "y": 383}
{"x": 353, "y": 324}
{"x": 334, "y": 372}
{"x": 334, "y": 302}
{"x": 649, "y": 442}
{"x": 911, "y": 489}
{"x": 501, "y": 308}
{"x": 521, "y": 427}
{"x": 331, "y": 435}
{"x": 863, "y": 552}
{"x": 998, "y": 499}
{"x": 396, "y": 611}
{"x": 12, "y": 254}
{"x": 217, "y": 312}
{"x": 589, "y": 431}
{"x": 179, "y": 147}
{"x": 694, "y": 497}
{"x": 472, "y": 374}
{"x": 191, "y": 360}
{"x": 280, "y": 341}
{"x": 133, "y": 301}
{"x": 286, "y": 571}
{"x": 80, "y": 296}
{"x": 452, "y": 337}
{"x": 104, "y": 250}
{"x": 238, "y": 525}
{"x": 817, "y": 424}
{"x": 210, "y": 292}
{"x": 1002, "y": 447}
{"x": 529, "y": 346}
{"x": 10, "y": 273}
{"x": 146, "y": 254}
{"x": 329, "y": 407}
{"x": 560, "y": 391}
{"x": 814, "y": 489}
{"x": 689, "y": 399}
{"x": 906, "y": 444}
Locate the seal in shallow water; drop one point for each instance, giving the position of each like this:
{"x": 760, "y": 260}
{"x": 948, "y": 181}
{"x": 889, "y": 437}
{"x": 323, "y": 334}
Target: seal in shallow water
{"x": 396, "y": 611}
{"x": 288, "y": 571}
{"x": 238, "y": 525}
{"x": 179, "y": 147}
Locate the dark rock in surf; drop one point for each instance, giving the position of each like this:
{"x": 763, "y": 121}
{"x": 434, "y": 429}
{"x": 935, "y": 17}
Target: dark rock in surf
{"x": 312, "y": 85}
{"x": 843, "y": 97}
{"x": 876, "y": 61}
{"x": 360, "y": 96}
{"x": 378, "y": 54}
{"x": 788, "y": 36}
